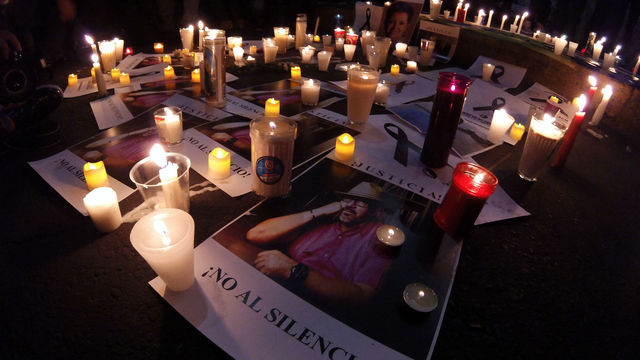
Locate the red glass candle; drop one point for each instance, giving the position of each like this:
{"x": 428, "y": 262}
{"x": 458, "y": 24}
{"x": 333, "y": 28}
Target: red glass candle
{"x": 351, "y": 39}
{"x": 462, "y": 14}
{"x": 445, "y": 115}
{"x": 570, "y": 135}
{"x": 338, "y": 33}
{"x": 470, "y": 188}
{"x": 128, "y": 51}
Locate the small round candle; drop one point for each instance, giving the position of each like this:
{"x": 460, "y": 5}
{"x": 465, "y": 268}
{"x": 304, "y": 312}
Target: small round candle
{"x": 253, "y": 49}
{"x": 310, "y": 92}
{"x": 345, "y": 147}
{"x": 169, "y": 73}
{"x": 115, "y": 74}
{"x": 102, "y": 205}
{"x": 73, "y": 79}
{"x": 124, "y": 79}
{"x": 390, "y": 235}
{"x": 401, "y": 48}
{"x": 395, "y": 69}
{"x": 272, "y": 108}
{"x": 295, "y": 73}
{"x": 95, "y": 175}
{"x": 517, "y": 130}
{"x": 195, "y": 76}
{"x": 166, "y": 59}
{"x": 219, "y": 163}
{"x": 158, "y": 47}
{"x": 420, "y": 297}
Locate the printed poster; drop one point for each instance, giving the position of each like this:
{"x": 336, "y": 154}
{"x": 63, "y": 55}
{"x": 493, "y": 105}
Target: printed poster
{"x": 505, "y": 75}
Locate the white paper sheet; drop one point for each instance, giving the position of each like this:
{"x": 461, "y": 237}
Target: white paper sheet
{"x": 511, "y": 77}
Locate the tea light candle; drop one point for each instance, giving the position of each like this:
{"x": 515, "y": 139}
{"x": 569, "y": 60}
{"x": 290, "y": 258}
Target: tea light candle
{"x": 219, "y": 163}
{"x": 345, "y": 147}
{"x": 517, "y": 130}
{"x": 390, "y": 235}
{"x": 253, "y": 49}
{"x": 310, "y": 92}
{"x": 382, "y": 93}
{"x": 72, "y": 79}
{"x": 504, "y": 18}
{"x": 349, "y": 50}
{"x": 164, "y": 239}
{"x": 102, "y": 205}
{"x": 125, "y": 79}
{"x": 95, "y": 175}
{"x": 108, "y": 54}
{"x": 166, "y": 59}
{"x": 169, "y": 124}
{"x": 324, "y": 58}
{"x": 238, "y": 54}
{"x": 420, "y": 297}
{"x": 295, "y": 73}
{"x": 307, "y": 54}
{"x": 470, "y": 188}
{"x": 158, "y": 48}
{"x": 195, "y": 76}
{"x": 515, "y": 22}
{"x": 500, "y": 123}
{"x": 606, "y": 95}
{"x": 412, "y": 67}
{"x": 169, "y": 73}
{"x": 487, "y": 71}
{"x": 270, "y": 52}
{"x": 395, "y": 69}
{"x": 115, "y": 74}
{"x": 401, "y": 48}
{"x": 316, "y": 38}
{"x": 272, "y": 108}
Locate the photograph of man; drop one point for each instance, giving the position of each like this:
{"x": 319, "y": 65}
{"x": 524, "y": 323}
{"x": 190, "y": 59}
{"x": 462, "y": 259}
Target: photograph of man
{"x": 338, "y": 257}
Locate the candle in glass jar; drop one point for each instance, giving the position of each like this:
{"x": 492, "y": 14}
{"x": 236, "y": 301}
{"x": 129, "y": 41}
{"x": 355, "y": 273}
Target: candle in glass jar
{"x": 500, "y": 123}
{"x": 349, "y": 50}
{"x": 186, "y": 36}
{"x": 128, "y": 51}
{"x": 401, "y": 48}
{"x": 238, "y": 54}
{"x": 115, "y": 74}
{"x": 570, "y": 135}
{"x": 195, "y": 76}
{"x": 470, "y": 188}
{"x": 310, "y": 92}
{"x": 164, "y": 239}
{"x": 412, "y": 67}
{"x": 541, "y": 140}
{"x": 124, "y": 79}
{"x": 102, "y": 87}
{"x": 72, "y": 80}
{"x": 219, "y": 163}
{"x": 362, "y": 82}
{"x": 426, "y": 51}
{"x": 395, "y": 70}
{"x": 326, "y": 40}
{"x": 272, "y": 108}
{"x": 307, "y": 53}
{"x": 295, "y": 73}
{"x": 462, "y": 14}
{"x": 95, "y": 175}
{"x": 517, "y": 130}
{"x": 169, "y": 124}
{"x": 272, "y": 141}
{"x": 487, "y": 71}
{"x": 345, "y": 147}
{"x": 102, "y": 205}
{"x": 270, "y": 52}
{"x": 324, "y": 58}
{"x": 169, "y": 73}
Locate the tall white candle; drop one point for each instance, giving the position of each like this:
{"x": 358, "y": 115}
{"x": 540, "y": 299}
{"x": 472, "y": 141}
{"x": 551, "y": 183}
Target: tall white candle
{"x": 324, "y": 58}
{"x": 480, "y": 16}
{"x": 186, "y": 36}
{"x": 119, "y": 48}
{"x": 102, "y": 87}
{"x": 559, "y": 46}
{"x": 168, "y": 174}
{"x": 310, "y": 92}
{"x": 524, "y": 16}
{"x": 102, "y": 205}
{"x": 89, "y": 40}
{"x": 504, "y": 18}
{"x": 281, "y": 37}
{"x": 515, "y": 22}
{"x": 597, "y": 49}
{"x": 490, "y": 17}
{"x": 108, "y": 54}
{"x": 349, "y": 49}
{"x": 609, "y": 60}
{"x": 200, "y": 34}
{"x": 606, "y": 95}
{"x": 500, "y": 123}
{"x": 164, "y": 239}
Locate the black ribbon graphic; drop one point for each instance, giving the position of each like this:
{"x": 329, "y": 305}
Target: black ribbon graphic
{"x": 497, "y": 74}
{"x": 403, "y": 144}
{"x": 367, "y": 24}
{"x": 496, "y": 104}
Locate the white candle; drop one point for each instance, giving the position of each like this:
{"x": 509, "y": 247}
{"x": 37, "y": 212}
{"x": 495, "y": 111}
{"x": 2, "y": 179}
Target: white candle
{"x": 281, "y": 38}
{"x": 479, "y": 17}
{"x": 301, "y": 29}
{"x": 89, "y": 40}
{"x": 219, "y": 163}
{"x": 108, "y": 54}
{"x": 307, "y": 53}
{"x": 426, "y": 51}
{"x": 597, "y": 49}
{"x": 401, "y": 48}
{"x": 490, "y": 16}
{"x": 362, "y": 82}
{"x": 102, "y": 205}
{"x": 390, "y": 235}
{"x": 616, "y": 50}
{"x": 487, "y": 71}
{"x": 559, "y": 46}
{"x": 164, "y": 239}
{"x": 324, "y": 58}
{"x": 382, "y": 94}
{"x": 270, "y": 52}
{"x": 186, "y": 36}
{"x": 515, "y": 22}
{"x": 238, "y": 54}
{"x": 500, "y": 123}
{"x": 200, "y": 34}
{"x": 349, "y": 49}
{"x": 571, "y": 50}
{"x": 635, "y": 68}
{"x": 458, "y": 7}
{"x": 412, "y": 67}
{"x": 522, "y": 21}
{"x": 339, "y": 44}
{"x": 102, "y": 87}
{"x": 609, "y": 59}
{"x": 169, "y": 124}
{"x": 326, "y": 40}
{"x": 168, "y": 174}
{"x": 606, "y": 95}
{"x": 504, "y": 18}
{"x": 119, "y": 48}
{"x": 310, "y": 92}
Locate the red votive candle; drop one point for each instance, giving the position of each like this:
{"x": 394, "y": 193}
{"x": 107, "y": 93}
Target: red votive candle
{"x": 338, "y": 33}
{"x": 471, "y": 186}
{"x": 462, "y": 14}
{"x": 553, "y": 105}
{"x": 445, "y": 115}
{"x": 351, "y": 39}
{"x": 128, "y": 51}
{"x": 570, "y": 135}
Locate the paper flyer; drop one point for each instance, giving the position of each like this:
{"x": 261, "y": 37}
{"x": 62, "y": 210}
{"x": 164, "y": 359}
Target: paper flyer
{"x": 505, "y": 75}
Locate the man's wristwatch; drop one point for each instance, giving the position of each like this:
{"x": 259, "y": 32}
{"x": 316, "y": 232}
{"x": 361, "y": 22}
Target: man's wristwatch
{"x": 299, "y": 273}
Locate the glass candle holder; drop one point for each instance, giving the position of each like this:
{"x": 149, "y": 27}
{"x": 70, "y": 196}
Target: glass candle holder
{"x": 169, "y": 189}
{"x": 382, "y": 93}
{"x": 272, "y": 141}
{"x": 281, "y": 35}
{"x": 324, "y": 58}
{"x": 362, "y": 82}
{"x": 447, "y": 106}
{"x": 470, "y": 188}
{"x": 169, "y": 124}
{"x": 310, "y": 92}
{"x": 542, "y": 138}
{"x": 426, "y": 51}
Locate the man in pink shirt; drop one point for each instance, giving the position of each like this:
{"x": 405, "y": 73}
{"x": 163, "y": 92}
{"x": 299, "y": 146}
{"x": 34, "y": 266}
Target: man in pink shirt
{"x": 339, "y": 258}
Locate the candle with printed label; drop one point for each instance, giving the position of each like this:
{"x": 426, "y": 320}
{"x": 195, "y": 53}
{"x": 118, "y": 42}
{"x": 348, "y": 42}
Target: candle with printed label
{"x": 281, "y": 35}
{"x": 95, "y": 175}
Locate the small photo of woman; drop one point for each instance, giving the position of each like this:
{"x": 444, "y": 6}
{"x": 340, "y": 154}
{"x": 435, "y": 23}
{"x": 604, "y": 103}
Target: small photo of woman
{"x": 400, "y": 20}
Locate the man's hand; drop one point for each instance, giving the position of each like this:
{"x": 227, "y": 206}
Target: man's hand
{"x": 8, "y": 41}
{"x": 274, "y": 263}
{"x": 328, "y": 209}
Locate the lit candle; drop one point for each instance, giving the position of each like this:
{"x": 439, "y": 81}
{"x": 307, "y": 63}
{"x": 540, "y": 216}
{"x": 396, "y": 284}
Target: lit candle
{"x": 173, "y": 194}
{"x": 219, "y": 163}
{"x": 426, "y": 51}
{"x": 301, "y": 29}
{"x": 166, "y": 59}
{"x": 542, "y": 138}
{"x": 326, "y": 40}
{"x": 559, "y": 45}
{"x": 593, "y": 81}
{"x": 434, "y": 8}
{"x": 158, "y": 47}
{"x": 72, "y": 79}
{"x": 338, "y": 33}
{"x": 115, "y": 74}
{"x": 368, "y": 38}
{"x": 128, "y": 51}
{"x": 238, "y": 54}
{"x": 164, "y": 239}
{"x": 324, "y": 58}
{"x": 339, "y": 44}
{"x": 480, "y": 16}
{"x": 401, "y": 48}
{"x": 597, "y": 49}
{"x": 310, "y": 92}
{"x": 462, "y": 14}
{"x": 382, "y": 93}
{"x": 124, "y": 79}
{"x": 517, "y": 130}
{"x": 570, "y": 135}
{"x": 102, "y": 87}
{"x": 307, "y": 53}
{"x": 420, "y": 297}
{"x": 616, "y": 50}
{"x": 345, "y": 147}
{"x": 504, "y": 18}
{"x": 251, "y": 59}
{"x": 102, "y": 205}
{"x": 272, "y": 141}
{"x": 94, "y": 48}
{"x": 95, "y": 175}
{"x": 351, "y": 38}
{"x": 412, "y": 67}
{"x": 458, "y": 7}
{"x": 362, "y": 82}
{"x": 487, "y": 71}
{"x": 390, "y": 235}
{"x": 316, "y": 38}
{"x": 119, "y": 44}
{"x": 489, "y": 20}
{"x": 395, "y": 70}
{"x": 470, "y": 188}
{"x": 107, "y": 54}
{"x": 169, "y": 73}
{"x": 349, "y": 50}
{"x": 500, "y": 123}
{"x": 571, "y": 50}
{"x": 308, "y": 39}
{"x": 608, "y": 61}
{"x": 272, "y": 108}
{"x": 186, "y": 36}
{"x": 515, "y": 22}
{"x": 522, "y": 21}
{"x": 635, "y": 68}
{"x": 169, "y": 124}
{"x": 606, "y": 95}
{"x": 253, "y": 49}
{"x": 195, "y": 76}
{"x": 93, "y": 75}
{"x": 295, "y": 72}
{"x": 281, "y": 37}
{"x": 270, "y": 51}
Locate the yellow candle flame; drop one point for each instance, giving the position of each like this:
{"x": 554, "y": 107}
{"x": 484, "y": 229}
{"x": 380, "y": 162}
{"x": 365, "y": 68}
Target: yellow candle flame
{"x": 94, "y": 58}
{"x": 582, "y": 102}
{"x": 200, "y": 25}
{"x": 158, "y": 155}
{"x": 91, "y": 166}
{"x": 220, "y": 154}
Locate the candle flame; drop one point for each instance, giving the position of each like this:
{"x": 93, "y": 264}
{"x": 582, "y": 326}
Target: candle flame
{"x": 220, "y": 153}
{"x": 391, "y": 232}
{"x": 158, "y": 155}
{"x": 526, "y": 13}
{"x": 504, "y": 17}
{"x": 548, "y": 118}
{"x": 190, "y": 28}
{"x": 94, "y": 58}
{"x": 345, "y": 139}
{"x": 582, "y": 102}
{"x": 92, "y": 166}
{"x": 168, "y": 67}
{"x": 478, "y": 178}
{"x": 490, "y": 12}
{"x": 453, "y": 87}
{"x": 421, "y": 293}
{"x": 200, "y": 25}
{"x": 161, "y": 228}
{"x": 272, "y": 125}
{"x": 607, "y": 92}
{"x": 466, "y": 6}
{"x": 89, "y": 39}
{"x": 196, "y": 71}
{"x": 593, "y": 80}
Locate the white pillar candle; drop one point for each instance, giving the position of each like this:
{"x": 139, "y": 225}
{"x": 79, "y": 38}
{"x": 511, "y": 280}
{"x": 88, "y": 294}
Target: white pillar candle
{"x": 597, "y": 49}
{"x": 504, "y": 18}
{"x": 164, "y": 239}
{"x": 606, "y": 95}
{"x": 172, "y": 192}
{"x": 608, "y": 61}
{"x": 306, "y": 53}
{"x": 301, "y": 29}
{"x": 480, "y": 16}
{"x": 339, "y": 44}
{"x": 489, "y": 19}
{"x": 559, "y": 46}
{"x": 102, "y": 87}
{"x": 515, "y": 22}
{"x": 500, "y": 123}
{"x": 270, "y": 52}
{"x": 186, "y": 36}
{"x": 571, "y": 50}
{"x": 324, "y": 58}
{"x": 616, "y": 50}
{"x": 238, "y": 54}
{"x": 401, "y": 48}
{"x": 326, "y": 40}
{"x": 281, "y": 35}
{"x": 362, "y": 82}
{"x": 635, "y": 68}
{"x": 200, "y": 34}
{"x": 310, "y": 92}
{"x": 119, "y": 48}
{"x": 382, "y": 94}
{"x": 426, "y": 51}
{"x": 524, "y": 16}
{"x": 102, "y": 205}
{"x": 219, "y": 163}
{"x": 108, "y": 54}
{"x": 169, "y": 124}
{"x": 349, "y": 49}
{"x": 412, "y": 67}
{"x": 487, "y": 71}
{"x": 513, "y": 28}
